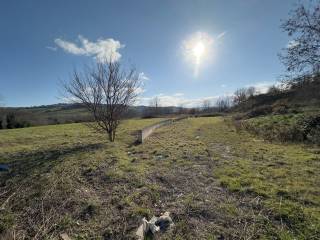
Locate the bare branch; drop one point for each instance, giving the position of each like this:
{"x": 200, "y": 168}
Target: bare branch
{"x": 106, "y": 90}
{"x": 302, "y": 55}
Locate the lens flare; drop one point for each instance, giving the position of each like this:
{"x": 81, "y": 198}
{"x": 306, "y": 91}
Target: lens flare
{"x": 197, "y": 49}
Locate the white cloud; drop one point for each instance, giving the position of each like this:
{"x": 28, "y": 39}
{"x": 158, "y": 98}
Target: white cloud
{"x": 178, "y": 99}
{"x": 139, "y": 90}
{"x": 52, "y": 48}
{"x": 263, "y": 87}
{"x": 221, "y": 35}
{"x": 223, "y": 85}
{"x": 143, "y": 76}
{"x": 101, "y": 50}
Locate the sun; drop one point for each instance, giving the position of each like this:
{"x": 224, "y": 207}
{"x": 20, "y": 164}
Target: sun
{"x": 197, "y": 50}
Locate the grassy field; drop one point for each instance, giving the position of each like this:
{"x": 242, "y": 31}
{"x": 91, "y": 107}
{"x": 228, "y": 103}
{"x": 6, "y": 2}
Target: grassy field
{"x": 216, "y": 182}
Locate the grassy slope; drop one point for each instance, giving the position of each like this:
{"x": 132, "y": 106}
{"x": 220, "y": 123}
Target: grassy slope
{"x": 215, "y": 182}
{"x": 286, "y": 177}
{"x": 285, "y": 127}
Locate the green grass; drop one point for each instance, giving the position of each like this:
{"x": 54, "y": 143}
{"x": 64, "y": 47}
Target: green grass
{"x": 285, "y": 128}
{"x": 216, "y": 182}
{"x": 286, "y": 176}
{"x": 52, "y": 161}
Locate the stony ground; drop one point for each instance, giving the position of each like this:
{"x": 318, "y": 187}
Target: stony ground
{"x": 216, "y": 183}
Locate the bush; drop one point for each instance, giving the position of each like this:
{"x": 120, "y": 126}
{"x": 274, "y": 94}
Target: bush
{"x": 260, "y": 111}
{"x": 285, "y": 128}
{"x": 311, "y": 128}
{"x": 314, "y": 135}
{"x": 280, "y": 108}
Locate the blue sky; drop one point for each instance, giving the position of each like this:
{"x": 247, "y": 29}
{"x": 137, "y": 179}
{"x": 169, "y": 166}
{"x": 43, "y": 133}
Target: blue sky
{"x": 42, "y": 41}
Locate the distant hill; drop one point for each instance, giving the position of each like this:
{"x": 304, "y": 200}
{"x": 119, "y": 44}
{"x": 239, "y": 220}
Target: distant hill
{"x": 68, "y": 113}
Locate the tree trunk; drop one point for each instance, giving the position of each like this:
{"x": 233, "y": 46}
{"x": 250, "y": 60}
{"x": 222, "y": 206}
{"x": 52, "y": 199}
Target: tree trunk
{"x": 113, "y": 135}
{"x": 110, "y": 134}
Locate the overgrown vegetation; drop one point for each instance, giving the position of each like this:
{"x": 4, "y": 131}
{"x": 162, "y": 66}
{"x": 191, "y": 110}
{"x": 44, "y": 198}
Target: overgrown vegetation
{"x": 290, "y": 114}
{"x": 286, "y": 128}
{"x": 298, "y": 98}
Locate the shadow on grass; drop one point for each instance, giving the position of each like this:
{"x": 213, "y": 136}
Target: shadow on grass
{"x": 23, "y": 165}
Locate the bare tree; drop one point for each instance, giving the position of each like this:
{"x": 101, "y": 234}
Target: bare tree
{"x": 274, "y": 90}
{"x": 106, "y": 90}
{"x": 243, "y": 94}
{"x": 206, "y": 105}
{"x": 240, "y": 96}
{"x": 303, "y": 52}
{"x": 251, "y": 91}
{"x": 223, "y": 104}
{"x": 155, "y": 104}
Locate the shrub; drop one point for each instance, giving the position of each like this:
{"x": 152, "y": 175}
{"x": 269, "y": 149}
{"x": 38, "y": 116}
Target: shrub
{"x": 260, "y": 111}
{"x": 12, "y": 122}
{"x": 280, "y": 107}
{"x": 314, "y": 135}
{"x": 311, "y": 128}
{"x": 285, "y": 128}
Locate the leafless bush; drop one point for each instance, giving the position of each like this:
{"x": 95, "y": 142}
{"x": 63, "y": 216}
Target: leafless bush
{"x": 243, "y": 94}
{"x": 250, "y": 92}
{"x": 274, "y": 90}
{"x": 107, "y": 91}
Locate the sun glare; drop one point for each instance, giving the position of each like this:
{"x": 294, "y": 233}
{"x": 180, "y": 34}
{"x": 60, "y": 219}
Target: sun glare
{"x": 197, "y": 50}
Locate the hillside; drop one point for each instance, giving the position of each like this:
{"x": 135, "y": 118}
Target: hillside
{"x": 300, "y": 95}
{"x": 284, "y": 115}
{"x": 68, "y": 113}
